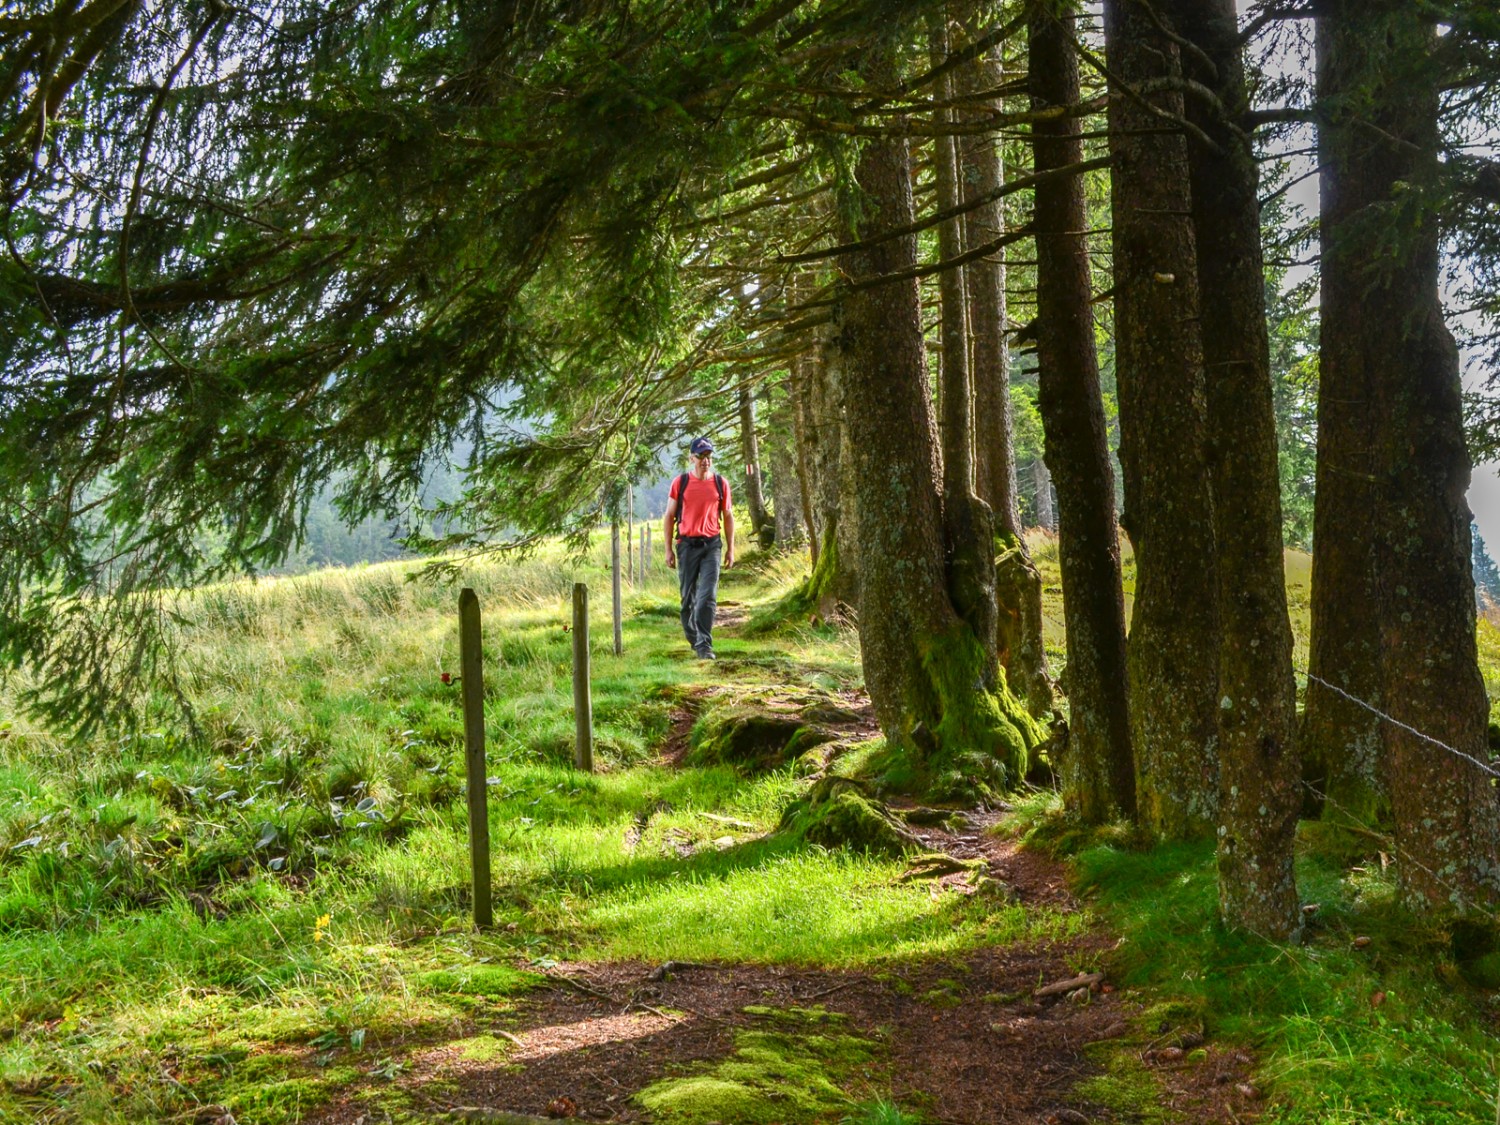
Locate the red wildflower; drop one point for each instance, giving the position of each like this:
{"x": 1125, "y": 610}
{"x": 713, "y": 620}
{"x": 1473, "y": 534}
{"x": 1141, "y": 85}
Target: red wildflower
{"x": 446, "y": 677}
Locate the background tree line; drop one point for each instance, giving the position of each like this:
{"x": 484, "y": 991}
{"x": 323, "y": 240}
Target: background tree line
{"x": 254, "y": 249}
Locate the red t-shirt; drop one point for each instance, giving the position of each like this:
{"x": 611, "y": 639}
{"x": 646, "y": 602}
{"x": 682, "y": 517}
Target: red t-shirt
{"x": 698, "y": 511}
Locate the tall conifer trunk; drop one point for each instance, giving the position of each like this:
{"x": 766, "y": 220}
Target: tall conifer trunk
{"x": 1258, "y": 769}
{"x": 1018, "y": 584}
{"x": 1097, "y": 769}
{"x": 969, "y": 524}
{"x": 924, "y": 665}
{"x": 1339, "y": 738}
{"x": 1174, "y": 628}
{"x": 1379, "y": 87}
{"x": 760, "y": 520}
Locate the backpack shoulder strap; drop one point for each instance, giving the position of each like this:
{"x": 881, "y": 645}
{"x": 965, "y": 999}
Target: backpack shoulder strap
{"x": 682, "y": 483}
{"x": 719, "y": 484}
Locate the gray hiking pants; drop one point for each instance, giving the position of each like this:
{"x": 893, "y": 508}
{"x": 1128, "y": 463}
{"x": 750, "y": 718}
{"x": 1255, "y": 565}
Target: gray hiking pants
{"x": 698, "y": 580}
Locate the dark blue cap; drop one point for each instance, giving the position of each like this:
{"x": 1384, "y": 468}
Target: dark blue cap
{"x": 701, "y": 445}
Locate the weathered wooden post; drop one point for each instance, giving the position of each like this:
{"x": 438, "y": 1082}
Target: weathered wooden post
{"x": 614, "y": 580}
{"x": 583, "y": 706}
{"x": 645, "y": 554}
{"x": 630, "y": 532}
{"x": 471, "y": 672}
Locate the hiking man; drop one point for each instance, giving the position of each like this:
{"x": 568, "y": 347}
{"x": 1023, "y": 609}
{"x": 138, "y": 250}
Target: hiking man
{"x": 695, "y": 504}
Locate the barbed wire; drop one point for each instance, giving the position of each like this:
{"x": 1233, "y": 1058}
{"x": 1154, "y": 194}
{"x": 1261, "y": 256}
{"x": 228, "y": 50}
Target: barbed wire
{"x": 1485, "y": 766}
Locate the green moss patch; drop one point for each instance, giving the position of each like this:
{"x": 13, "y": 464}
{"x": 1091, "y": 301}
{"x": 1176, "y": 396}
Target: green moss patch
{"x": 478, "y": 980}
{"x": 772, "y": 1077}
{"x": 839, "y": 812}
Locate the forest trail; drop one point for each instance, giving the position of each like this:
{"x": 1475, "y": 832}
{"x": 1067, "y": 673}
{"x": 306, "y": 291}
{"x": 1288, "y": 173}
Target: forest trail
{"x": 982, "y": 1036}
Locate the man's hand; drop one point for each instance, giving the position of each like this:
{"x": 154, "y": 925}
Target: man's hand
{"x": 728, "y": 559}
{"x": 671, "y": 560}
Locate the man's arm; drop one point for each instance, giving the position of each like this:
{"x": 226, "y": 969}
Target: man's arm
{"x": 729, "y": 538}
{"x": 667, "y": 523}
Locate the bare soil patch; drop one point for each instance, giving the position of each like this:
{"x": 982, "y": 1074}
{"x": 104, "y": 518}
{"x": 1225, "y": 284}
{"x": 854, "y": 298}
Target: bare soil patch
{"x": 968, "y": 1041}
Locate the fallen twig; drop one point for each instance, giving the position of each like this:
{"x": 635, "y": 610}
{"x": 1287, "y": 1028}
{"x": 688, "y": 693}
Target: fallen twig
{"x": 1057, "y": 988}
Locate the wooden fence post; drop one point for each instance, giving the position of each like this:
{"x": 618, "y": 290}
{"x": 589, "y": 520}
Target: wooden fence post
{"x": 614, "y": 580}
{"x": 583, "y": 706}
{"x": 471, "y": 672}
{"x": 630, "y": 531}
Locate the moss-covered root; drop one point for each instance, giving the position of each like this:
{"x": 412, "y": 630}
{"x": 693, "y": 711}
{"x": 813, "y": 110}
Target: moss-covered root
{"x": 976, "y": 741}
{"x": 754, "y": 740}
{"x": 839, "y": 812}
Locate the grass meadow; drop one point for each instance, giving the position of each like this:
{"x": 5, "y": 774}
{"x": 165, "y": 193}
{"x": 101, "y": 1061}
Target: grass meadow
{"x": 248, "y": 909}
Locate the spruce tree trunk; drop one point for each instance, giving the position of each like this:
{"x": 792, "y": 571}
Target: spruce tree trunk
{"x": 1174, "y": 630}
{"x": 1041, "y": 480}
{"x": 1018, "y": 584}
{"x": 969, "y": 524}
{"x": 786, "y": 489}
{"x": 833, "y": 585}
{"x": 1098, "y": 772}
{"x": 1339, "y": 739}
{"x": 801, "y": 375}
{"x": 924, "y": 665}
{"x": 760, "y": 521}
{"x": 1259, "y": 774}
{"x": 1380, "y": 86}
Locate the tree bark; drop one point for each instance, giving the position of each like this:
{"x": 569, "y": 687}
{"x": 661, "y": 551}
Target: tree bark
{"x": 833, "y": 585}
{"x": 1018, "y": 584}
{"x": 924, "y": 666}
{"x": 1098, "y": 771}
{"x": 786, "y": 488}
{"x": 760, "y": 521}
{"x": 801, "y": 375}
{"x": 969, "y": 531}
{"x": 1258, "y": 768}
{"x": 1174, "y": 630}
{"x": 1041, "y": 479}
{"x": 1339, "y": 739}
{"x": 1380, "y": 92}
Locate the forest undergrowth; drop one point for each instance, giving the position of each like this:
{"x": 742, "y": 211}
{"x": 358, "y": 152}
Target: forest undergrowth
{"x": 261, "y": 916}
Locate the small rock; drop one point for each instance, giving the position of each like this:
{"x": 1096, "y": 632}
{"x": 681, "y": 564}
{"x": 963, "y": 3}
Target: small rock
{"x": 1079, "y": 996}
{"x": 1361, "y": 941}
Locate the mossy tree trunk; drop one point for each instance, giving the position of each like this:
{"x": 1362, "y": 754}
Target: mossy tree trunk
{"x": 1381, "y": 85}
{"x": 786, "y": 488}
{"x": 799, "y": 376}
{"x": 1018, "y": 583}
{"x": 760, "y": 520}
{"x": 924, "y": 665}
{"x": 1173, "y": 645}
{"x": 835, "y": 578}
{"x": 969, "y": 523}
{"x": 1097, "y": 768}
{"x": 1258, "y": 769}
{"x": 1340, "y": 739}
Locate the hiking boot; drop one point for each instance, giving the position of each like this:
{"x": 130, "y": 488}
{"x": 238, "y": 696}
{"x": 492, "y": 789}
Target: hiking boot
{"x": 705, "y": 653}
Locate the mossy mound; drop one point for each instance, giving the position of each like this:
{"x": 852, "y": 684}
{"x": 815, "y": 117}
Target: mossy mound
{"x": 839, "y": 812}
{"x": 771, "y": 1078}
{"x": 762, "y": 735}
